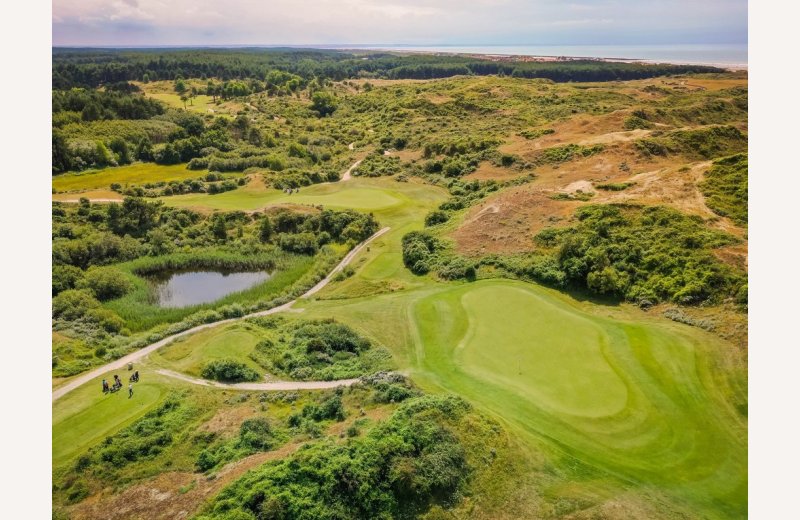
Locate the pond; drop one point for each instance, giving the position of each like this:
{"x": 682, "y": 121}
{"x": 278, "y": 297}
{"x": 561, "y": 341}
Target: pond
{"x": 184, "y": 288}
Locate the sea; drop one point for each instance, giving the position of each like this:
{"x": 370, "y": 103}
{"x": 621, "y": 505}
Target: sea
{"x": 725, "y": 55}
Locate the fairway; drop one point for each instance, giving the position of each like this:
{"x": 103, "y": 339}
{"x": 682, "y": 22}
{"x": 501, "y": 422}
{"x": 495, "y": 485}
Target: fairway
{"x": 87, "y": 416}
{"x": 135, "y": 174}
{"x": 335, "y": 196}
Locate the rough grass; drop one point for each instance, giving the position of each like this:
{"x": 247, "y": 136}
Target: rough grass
{"x": 190, "y": 354}
{"x": 132, "y": 174}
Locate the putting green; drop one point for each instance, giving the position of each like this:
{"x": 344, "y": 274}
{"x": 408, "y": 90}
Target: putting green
{"x": 554, "y": 355}
{"x": 629, "y": 403}
{"x": 638, "y": 401}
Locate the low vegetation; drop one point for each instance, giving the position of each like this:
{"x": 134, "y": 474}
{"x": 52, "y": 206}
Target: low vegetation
{"x": 315, "y": 350}
{"x": 725, "y": 188}
{"x": 401, "y": 468}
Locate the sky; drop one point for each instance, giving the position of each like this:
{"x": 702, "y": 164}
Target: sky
{"x": 397, "y": 22}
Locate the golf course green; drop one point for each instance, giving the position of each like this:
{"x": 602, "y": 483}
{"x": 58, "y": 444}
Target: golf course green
{"x": 615, "y": 400}
{"x": 639, "y": 405}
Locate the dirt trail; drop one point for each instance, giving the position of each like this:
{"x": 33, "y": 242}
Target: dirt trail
{"x": 139, "y": 354}
{"x": 346, "y": 177}
{"x": 75, "y": 201}
{"x": 272, "y": 385}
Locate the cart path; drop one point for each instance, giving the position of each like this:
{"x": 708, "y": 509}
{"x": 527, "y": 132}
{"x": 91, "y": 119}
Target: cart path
{"x": 346, "y": 176}
{"x": 139, "y": 354}
{"x": 273, "y": 385}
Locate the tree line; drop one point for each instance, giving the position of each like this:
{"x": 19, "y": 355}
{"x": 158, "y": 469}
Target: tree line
{"x": 96, "y": 67}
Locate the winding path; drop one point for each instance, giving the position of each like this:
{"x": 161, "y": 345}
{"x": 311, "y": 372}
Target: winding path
{"x": 272, "y": 385}
{"x": 346, "y": 176}
{"x": 289, "y": 385}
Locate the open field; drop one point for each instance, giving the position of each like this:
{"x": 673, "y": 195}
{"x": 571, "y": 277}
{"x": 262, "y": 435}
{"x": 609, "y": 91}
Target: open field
{"x": 139, "y": 173}
{"x": 361, "y": 197}
{"x": 164, "y": 91}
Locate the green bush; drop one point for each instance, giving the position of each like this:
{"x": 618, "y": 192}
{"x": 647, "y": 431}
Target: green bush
{"x": 644, "y": 253}
{"x": 73, "y": 304}
{"x": 419, "y": 251}
{"x": 229, "y": 371}
{"x": 106, "y": 282}
{"x": 65, "y": 277}
{"x": 725, "y": 188}
{"x": 256, "y": 433}
{"x": 399, "y": 469}
{"x": 436, "y": 217}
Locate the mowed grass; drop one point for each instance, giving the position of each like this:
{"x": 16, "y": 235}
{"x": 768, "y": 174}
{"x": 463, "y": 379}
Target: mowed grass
{"x": 635, "y": 400}
{"x": 348, "y": 195}
{"x": 133, "y": 174}
{"x": 617, "y": 406}
{"x": 86, "y": 416}
{"x": 189, "y": 354}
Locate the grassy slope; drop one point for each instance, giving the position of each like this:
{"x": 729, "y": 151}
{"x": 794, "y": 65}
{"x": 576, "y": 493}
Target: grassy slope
{"x": 86, "y": 416}
{"x": 189, "y": 354}
{"x": 138, "y": 173}
{"x": 614, "y": 403}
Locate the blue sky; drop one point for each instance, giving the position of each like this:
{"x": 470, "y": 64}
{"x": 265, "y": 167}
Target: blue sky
{"x": 389, "y": 22}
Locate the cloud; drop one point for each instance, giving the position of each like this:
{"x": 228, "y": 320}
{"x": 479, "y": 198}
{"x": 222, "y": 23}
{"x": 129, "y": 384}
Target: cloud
{"x": 309, "y": 22}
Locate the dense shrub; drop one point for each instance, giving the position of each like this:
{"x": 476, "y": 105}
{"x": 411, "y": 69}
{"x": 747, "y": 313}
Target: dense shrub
{"x": 419, "y": 251}
{"x": 316, "y": 350}
{"x": 399, "y": 469}
{"x": 650, "y": 253}
{"x": 303, "y": 243}
{"x": 229, "y": 371}
{"x": 65, "y": 277}
{"x": 106, "y": 282}
{"x": 73, "y": 304}
{"x": 725, "y": 188}
{"x": 436, "y": 217}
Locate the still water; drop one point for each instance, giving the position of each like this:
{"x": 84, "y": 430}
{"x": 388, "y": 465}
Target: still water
{"x": 183, "y": 288}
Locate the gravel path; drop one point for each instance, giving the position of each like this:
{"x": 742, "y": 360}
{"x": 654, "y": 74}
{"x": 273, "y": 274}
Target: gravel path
{"x": 273, "y": 385}
{"x": 122, "y": 362}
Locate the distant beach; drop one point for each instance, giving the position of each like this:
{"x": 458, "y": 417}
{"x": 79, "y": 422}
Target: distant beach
{"x": 728, "y": 56}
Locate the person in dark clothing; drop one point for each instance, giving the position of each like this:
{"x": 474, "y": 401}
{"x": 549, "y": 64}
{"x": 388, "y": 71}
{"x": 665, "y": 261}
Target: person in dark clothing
{"x": 130, "y": 391}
